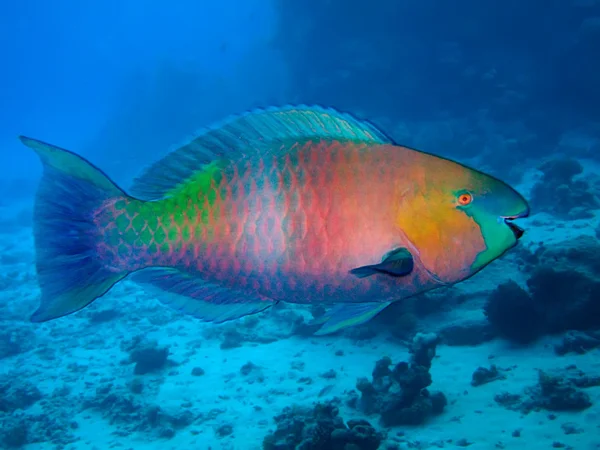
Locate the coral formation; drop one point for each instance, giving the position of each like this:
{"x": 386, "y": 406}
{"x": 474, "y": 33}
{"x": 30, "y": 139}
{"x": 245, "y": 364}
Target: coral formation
{"x": 17, "y": 394}
{"x": 131, "y": 413}
{"x": 399, "y": 394}
{"x": 563, "y": 293}
{"x": 557, "y": 391}
{"x": 320, "y": 428}
{"x": 27, "y": 416}
{"x": 513, "y": 314}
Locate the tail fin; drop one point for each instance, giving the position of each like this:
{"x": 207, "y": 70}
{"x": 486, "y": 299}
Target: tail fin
{"x": 69, "y": 273}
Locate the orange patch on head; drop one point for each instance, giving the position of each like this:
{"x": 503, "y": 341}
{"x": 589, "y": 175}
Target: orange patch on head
{"x": 446, "y": 238}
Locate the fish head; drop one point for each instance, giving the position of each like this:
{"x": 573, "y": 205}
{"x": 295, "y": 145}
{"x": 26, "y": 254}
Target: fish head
{"x": 459, "y": 219}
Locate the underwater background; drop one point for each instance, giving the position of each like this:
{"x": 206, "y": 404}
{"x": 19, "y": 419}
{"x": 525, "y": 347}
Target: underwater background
{"x": 507, "y": 359}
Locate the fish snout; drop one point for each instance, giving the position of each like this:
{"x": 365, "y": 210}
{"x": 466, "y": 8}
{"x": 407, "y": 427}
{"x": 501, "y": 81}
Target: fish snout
{"x": 517, "y": 230}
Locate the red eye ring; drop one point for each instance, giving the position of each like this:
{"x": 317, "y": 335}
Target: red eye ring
{"x": 465, "y": 199}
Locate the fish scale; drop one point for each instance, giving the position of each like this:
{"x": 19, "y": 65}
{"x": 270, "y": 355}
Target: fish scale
{"x": 277, "y": 241}
{"x": 296, "y": 204}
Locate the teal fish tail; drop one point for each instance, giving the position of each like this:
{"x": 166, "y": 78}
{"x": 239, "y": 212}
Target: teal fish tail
{"x": 70, "y": 273}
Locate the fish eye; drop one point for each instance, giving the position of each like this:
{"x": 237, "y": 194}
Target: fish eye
{"x": 464, "y": 198}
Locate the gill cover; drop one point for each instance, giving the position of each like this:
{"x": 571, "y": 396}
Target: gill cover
{"x": 455, "y": 218}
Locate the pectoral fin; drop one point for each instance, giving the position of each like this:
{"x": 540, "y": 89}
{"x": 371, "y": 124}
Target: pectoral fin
{"x": 397, "y": 263}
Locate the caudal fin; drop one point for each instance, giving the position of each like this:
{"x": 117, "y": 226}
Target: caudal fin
{"x": 69, "y": 272}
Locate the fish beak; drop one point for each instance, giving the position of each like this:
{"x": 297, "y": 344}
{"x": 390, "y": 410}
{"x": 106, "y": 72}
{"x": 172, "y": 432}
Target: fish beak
{"x": 517, "y": 231}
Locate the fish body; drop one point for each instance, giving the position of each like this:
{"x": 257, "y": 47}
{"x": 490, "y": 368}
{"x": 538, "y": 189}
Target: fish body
{"x": 278, "y": 205}
{"x": 289, "y": 226}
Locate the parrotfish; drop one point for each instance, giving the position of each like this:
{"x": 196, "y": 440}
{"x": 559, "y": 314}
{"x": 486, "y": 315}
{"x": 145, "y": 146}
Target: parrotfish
{"x": 297, "y": 204}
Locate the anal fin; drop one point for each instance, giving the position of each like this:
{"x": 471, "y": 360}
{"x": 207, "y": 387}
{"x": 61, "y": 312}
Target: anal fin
{"x": 191, "y": 295}
{"x": 348, "y": 314}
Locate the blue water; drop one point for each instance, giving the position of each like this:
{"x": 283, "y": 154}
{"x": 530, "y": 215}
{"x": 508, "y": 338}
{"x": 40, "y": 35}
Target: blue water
{"x": 508, "y": 87}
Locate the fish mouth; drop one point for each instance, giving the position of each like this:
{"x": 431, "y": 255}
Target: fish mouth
{"x": 517, "y": 230}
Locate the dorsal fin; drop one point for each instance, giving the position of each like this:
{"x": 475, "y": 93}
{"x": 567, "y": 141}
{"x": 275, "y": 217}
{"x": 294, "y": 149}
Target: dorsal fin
{"x": 248, "y": 133}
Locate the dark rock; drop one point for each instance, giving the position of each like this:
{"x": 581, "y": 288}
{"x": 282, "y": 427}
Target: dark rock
{"x": 570, "y": 297}
{"x": 395, "y": 412}
{"x": 198, "y": 371}
{"x": 224, "y": 430}
{"x": 577, "y": 342}
{"x": 247, "y": 368}
{"x": 555, "y": 393}
{"x": 438, "y": 402}
{"x": 564, "y": 294}
{"x": 483, "y": 375}
{"x": 252, "y": 373}
{"x": 149, "y": 358}
{"x": 513, "y": 314}
{"x": 571, "y": 428}
{"x": 330, "y": 374}
{"x": 509, "y": 401}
